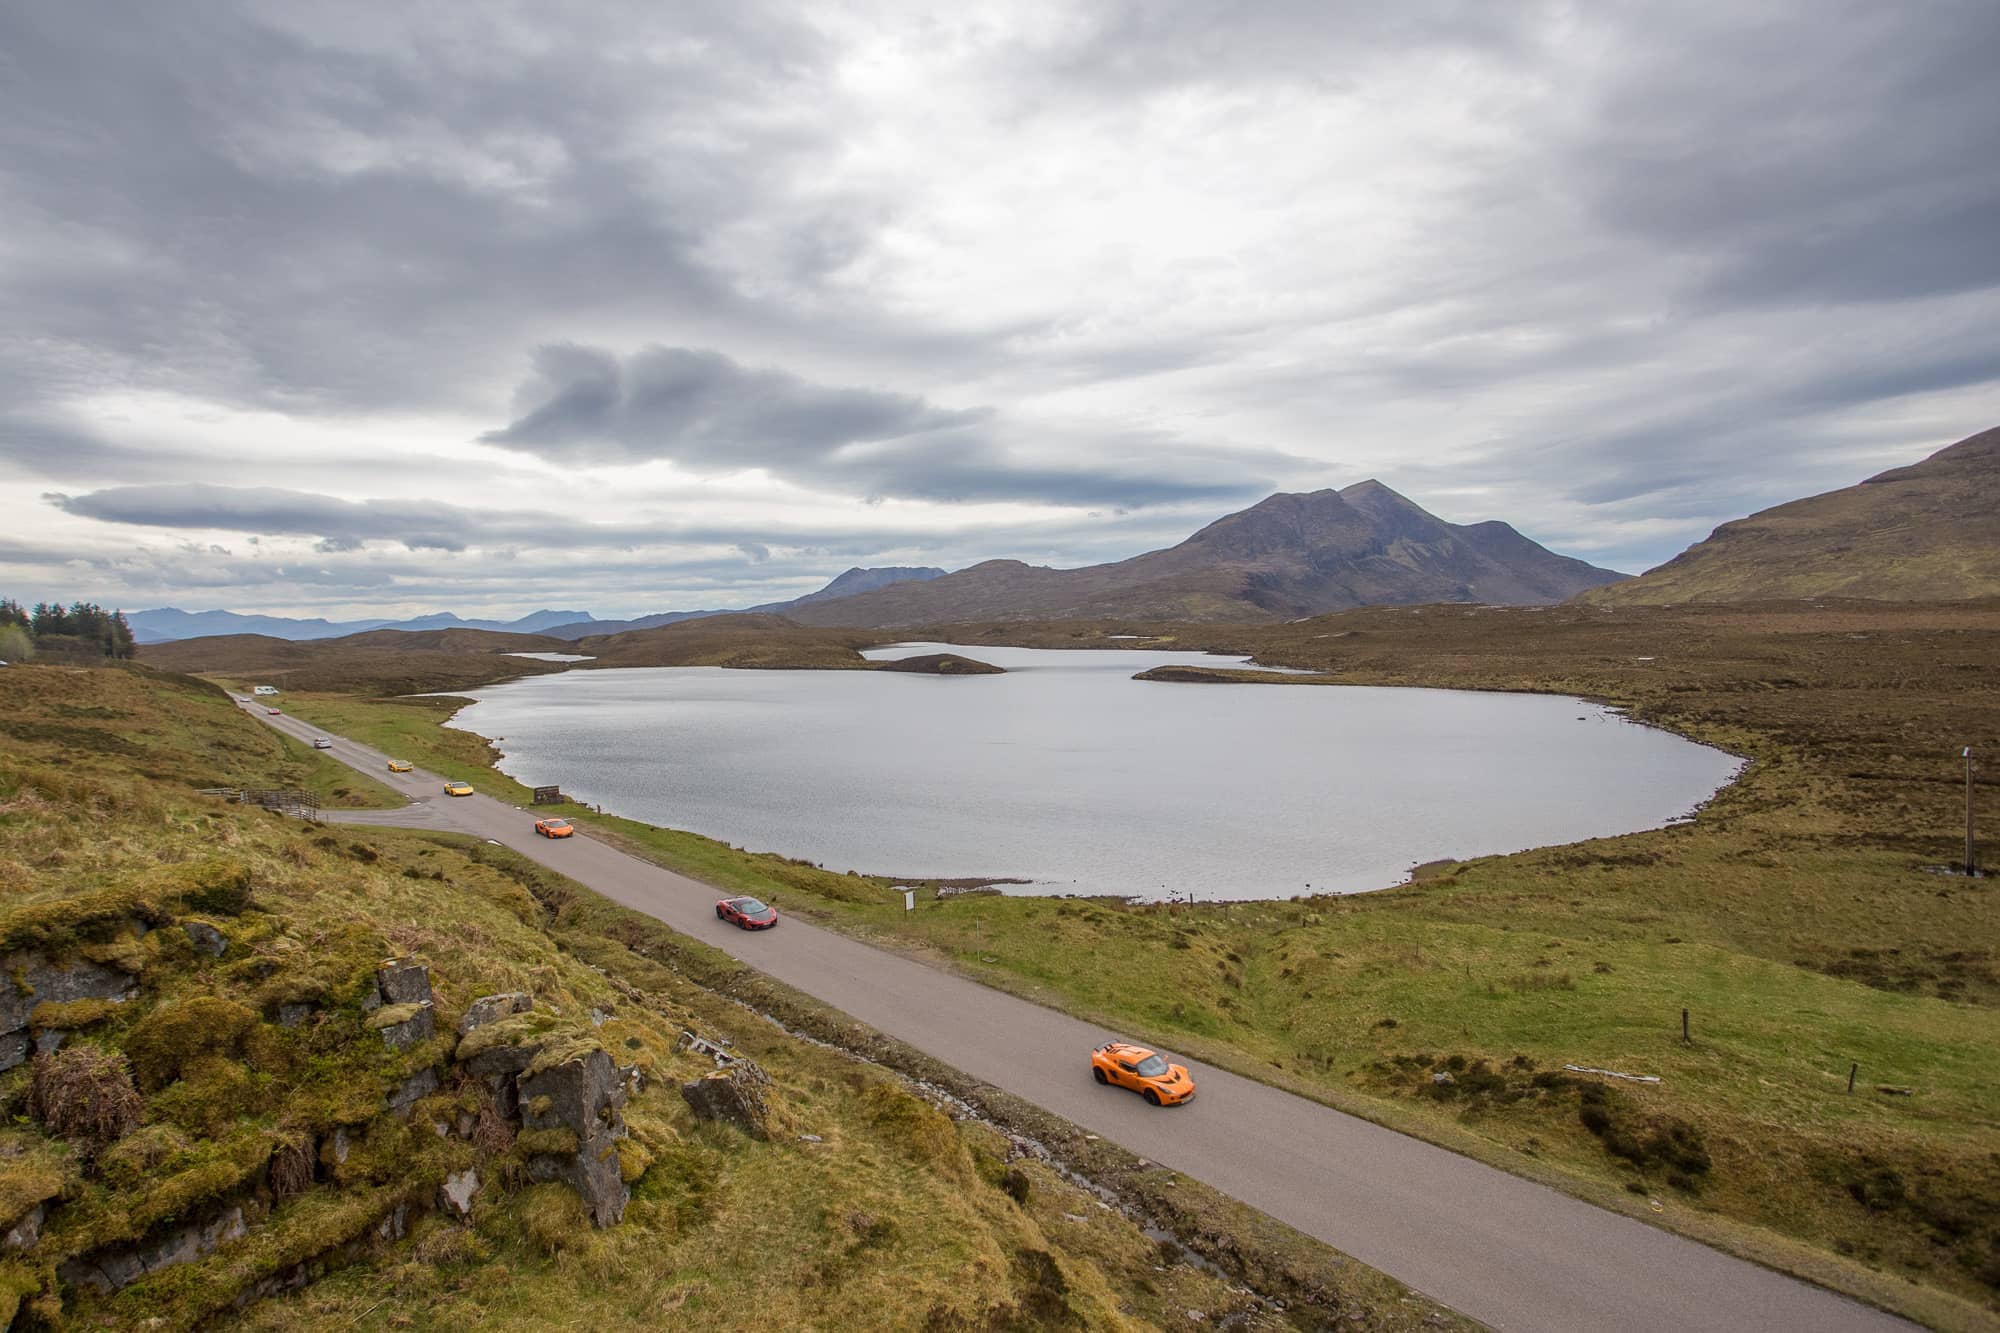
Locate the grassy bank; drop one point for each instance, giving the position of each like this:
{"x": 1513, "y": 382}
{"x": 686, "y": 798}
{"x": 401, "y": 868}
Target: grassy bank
{"x": 867, "y": 1206}
{"x": 1794, "y": 920}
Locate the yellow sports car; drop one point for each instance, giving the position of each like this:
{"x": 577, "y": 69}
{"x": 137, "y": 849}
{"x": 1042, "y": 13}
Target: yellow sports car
{"x": 458, "y": 789}
{"x": 398, "y": 766}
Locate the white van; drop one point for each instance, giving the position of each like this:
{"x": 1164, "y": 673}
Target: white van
{"x": 265, "y": 689}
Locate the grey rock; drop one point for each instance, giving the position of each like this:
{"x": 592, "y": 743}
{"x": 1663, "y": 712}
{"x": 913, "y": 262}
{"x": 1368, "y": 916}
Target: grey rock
{"x": 419, "y": 1026}
{"x": 491, "y": 1008}
{"x": 293, "y": 1015}
{"x": 585, "y": 1095}
{"x": 392, "y": 1226}
{"x": 403, "y": 981}
{"x": 734, "y": 1095}
{"x": 455, "y": 1195}
{"x": 25, "y": 1232}
{"x": 205, "y": 938}
{"x": 504, "y": 1059}
{"x": 111, "y": 1269}
{"x": 1443, "y": 1079}
{"x": 35, "y": 979}
{"x": 342, "y": 1145}
{"x": 14, "y": 1048}
{"x": 49, "y": 1041}
{"x": 411, "y": 1091}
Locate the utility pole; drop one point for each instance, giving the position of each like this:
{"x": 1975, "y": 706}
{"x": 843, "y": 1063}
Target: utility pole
{"x": 1971, "y": 862}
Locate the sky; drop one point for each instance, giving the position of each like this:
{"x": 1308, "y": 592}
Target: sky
{"x": 381, "y": 309}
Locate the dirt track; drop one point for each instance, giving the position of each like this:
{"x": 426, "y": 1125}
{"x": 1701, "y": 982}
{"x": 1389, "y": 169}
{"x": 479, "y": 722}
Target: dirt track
{"x": 1505, "y": 1251}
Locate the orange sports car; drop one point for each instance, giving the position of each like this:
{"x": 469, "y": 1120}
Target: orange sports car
{"x": 554, "y": 828}
{"x": 1145, "y": 1072}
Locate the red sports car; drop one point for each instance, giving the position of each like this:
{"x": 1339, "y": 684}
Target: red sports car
{"x": 747, "y": 913}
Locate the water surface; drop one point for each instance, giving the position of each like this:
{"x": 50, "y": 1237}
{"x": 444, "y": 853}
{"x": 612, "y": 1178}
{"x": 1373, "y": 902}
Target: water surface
{"x": 1068, "y": 773}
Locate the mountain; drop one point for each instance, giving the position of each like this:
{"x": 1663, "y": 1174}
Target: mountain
{"x": 1929, "y": 532}
{"x": 168, "y": 624}
{"x": 1284, "y": 557}
{"x": 846, "y": 585}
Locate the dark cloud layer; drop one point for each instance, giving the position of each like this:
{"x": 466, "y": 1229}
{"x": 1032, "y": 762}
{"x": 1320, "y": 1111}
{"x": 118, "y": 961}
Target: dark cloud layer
{"x": 702, "y": 410}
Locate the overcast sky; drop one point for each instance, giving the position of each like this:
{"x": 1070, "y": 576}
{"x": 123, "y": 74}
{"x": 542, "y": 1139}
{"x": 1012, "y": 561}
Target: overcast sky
{"x": 353, "y": 309}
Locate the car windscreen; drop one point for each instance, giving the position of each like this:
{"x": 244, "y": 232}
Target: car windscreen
{"x": 750, "y": 907}
{"x": 1152, "y": 1067}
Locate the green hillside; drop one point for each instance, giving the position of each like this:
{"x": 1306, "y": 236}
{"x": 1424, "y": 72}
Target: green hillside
{"x": 1925, "y": 533}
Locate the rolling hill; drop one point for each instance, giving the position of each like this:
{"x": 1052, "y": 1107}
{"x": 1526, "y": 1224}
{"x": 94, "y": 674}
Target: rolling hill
{"x": 1928, "y": 532}
{"x": 1287, "y": 556}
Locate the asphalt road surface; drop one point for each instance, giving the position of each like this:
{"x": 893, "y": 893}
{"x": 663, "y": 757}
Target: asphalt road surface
{"x": 1503, "y": 1250}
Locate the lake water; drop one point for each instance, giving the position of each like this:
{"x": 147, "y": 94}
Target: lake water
{"x": 1068, "y": 773}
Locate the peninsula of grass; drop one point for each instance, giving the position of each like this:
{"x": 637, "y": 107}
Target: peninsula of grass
{"x": 1799, "y": 920}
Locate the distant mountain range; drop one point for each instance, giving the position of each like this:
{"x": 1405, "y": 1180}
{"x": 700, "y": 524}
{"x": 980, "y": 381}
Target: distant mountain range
{"x": 167, "y": 624}
{"x": 1285, "y": 557}
{"x": 846, "y": 585}
{"x": 170, "y": 624}
{"x": 1927, "y": 532}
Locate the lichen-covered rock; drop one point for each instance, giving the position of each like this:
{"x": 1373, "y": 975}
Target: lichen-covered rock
{"x": 455, "y": 1195}
{"x": 734, "y": 1094}
{"x": 404, "y": 1025}
{"x": 293, "y": 1015}
{"x": 492, "y": 1008}
{"x": 25, "y": 1232}
{"x": 412, "y": 1090}
{"x": 584, "y": 1094}
{"x": 32, "y": 979}
{"x": 205, "y": 938}
{"x": 111, "y": 1269}
{"x": 403, "y": 981}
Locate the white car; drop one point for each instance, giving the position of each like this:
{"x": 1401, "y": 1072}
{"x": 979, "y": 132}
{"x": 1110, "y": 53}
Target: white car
{"x": 322, "y": 743}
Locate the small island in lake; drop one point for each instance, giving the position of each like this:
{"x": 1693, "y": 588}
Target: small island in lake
{"x": 942, "y": 664}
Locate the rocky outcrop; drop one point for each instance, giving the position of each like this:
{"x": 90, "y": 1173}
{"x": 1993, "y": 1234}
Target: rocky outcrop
{"x": 206, "y": 939}
{"x": 585, "y": 1095}
{"x": 456, "y": 1194}
{"x": 403, "y": 981}
{"x": 404, "y": 1025}
{"x": 33, "y": 979}
{"x": 734, "y": 1094}
{"x": 492, "y": 1008}
{"x": 115, "y": 1267}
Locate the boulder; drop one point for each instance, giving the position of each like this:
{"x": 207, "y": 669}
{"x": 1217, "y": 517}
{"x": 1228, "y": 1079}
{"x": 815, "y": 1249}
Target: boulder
{"x": 503, "y": 1059}
{"x": 33, "y": 979}
{"x": 24, "y": 1233}
{"x": 205, "y": 938}
{"x": 455, "y": 1195}
{"x": 491, "y": 1008}
{"x": 584, "y": 1094}
{"x": 404, "y": 1025}
{"x": 412, "y": 1090}
{"x": 403, "y": 981}
{"x": 734, "y": 1094}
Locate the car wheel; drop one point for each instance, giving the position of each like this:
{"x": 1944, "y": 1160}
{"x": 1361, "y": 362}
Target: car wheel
{"x": 719, "y": 915}
{"x": 1151, "y": 1096}
{"x": 1098, "y": 1074}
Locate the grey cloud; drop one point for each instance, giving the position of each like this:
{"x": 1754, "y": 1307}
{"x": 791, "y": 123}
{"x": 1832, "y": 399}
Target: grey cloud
{"x": 1845, "y": 153}
{"x": 699, "y": 408}
{"x": 706, "y": 412}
